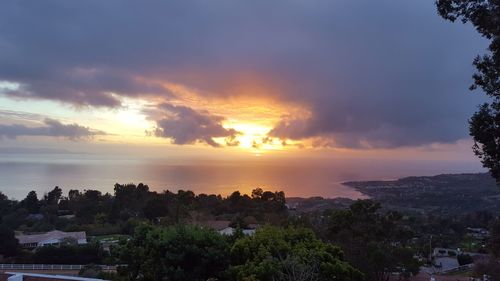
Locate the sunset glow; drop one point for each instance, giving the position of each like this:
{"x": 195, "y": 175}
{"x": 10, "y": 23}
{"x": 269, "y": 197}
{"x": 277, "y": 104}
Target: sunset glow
{"x": 299, "y": 84}
{"x": 257, "y": 140}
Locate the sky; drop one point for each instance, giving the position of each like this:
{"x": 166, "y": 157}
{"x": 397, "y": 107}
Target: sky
{"x": 237, "y": 80}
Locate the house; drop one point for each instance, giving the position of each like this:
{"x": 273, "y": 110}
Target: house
{"x": 444, "y": 252}
{"x": 55, "y": 237}
{"x": 227, "y": 231}
{"x": 478, "y": 233}
{"x": 15, "y": 276}
{"x": 231, "y": 230}
{"x": 217, "y": 225}
{"x": 248, "y": 232}
{"x": 223, "y": 227}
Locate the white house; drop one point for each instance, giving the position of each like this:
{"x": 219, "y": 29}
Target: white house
{"x": 223, "y": 227}
{"x": 231, "y": 230}
{"x": 54, "y": 237}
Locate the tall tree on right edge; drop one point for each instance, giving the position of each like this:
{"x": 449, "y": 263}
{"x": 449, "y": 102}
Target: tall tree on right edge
{"x": 484, "y": 126}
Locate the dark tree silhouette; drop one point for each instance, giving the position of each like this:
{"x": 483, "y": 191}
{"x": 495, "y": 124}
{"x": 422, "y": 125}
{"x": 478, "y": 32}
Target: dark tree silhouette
{"x": 31, "y": 203}
{"x": 494, "y": 241}
{"x": 484, "y": 125}
{"x": 155, "y": 208}
{"x": 8, "y": 242}
{"x": 53, "y": 196}
{"x": 374, "y": 242}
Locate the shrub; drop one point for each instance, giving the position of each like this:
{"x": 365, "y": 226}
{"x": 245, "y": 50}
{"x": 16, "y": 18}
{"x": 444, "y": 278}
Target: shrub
{"x": 464, "y": 259}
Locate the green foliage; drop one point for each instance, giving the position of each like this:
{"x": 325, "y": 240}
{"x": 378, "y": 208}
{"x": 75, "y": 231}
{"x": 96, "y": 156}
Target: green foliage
{"x": 8, "y": 242}
{"x": 129, "y": 200}
{"x": 485, "y": 124}
{"x": 174, "y": 253}
{"x": 14, "y": 218}
{"x": 155, "y": 208}
{"x": 31, "y": 203}
{"x": 288, "y": 254}
{"x": 464, "y": 259}
{"x": 102, "y": 229}
{"x": 69, "y": 254}
{"x": 52, "y": 198}
{"x": 102, "y": 214}
{"x": 375, "y": 243}
{"x": 494, "y": 241}
{"x": 90, "y": 271}
{"x": 87, "y": 205}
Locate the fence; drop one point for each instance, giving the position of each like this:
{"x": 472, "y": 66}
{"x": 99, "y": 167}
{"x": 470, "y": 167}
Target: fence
{"x": 16, "y": 266}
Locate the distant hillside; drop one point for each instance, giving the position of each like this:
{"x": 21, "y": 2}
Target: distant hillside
{"x": 447, "y": 194}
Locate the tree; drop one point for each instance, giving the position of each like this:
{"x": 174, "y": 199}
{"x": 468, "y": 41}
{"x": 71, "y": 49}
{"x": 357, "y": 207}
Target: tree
{"x": 257, "y": 193}
{"x": 485, "y": 123}
{"x": 155, "y": 208}
{"x": 90, "y": 271}
{"x": 70, "y": 254}
{"x": 89, "y": 206}
{"x": 464, "y": 259}
{"x": 373, "y": 242}
{"x": 31, "y": 203}
{"x": 288, "y": 254}
{"x": 14, "y": 218}
{"x": 52, "y": 198}
{"x": 74, "y": 194}
{"x": 8, "y": 242}
{"x": 494, "y": 241}
{"x": 130, "y": 200}
{"x": 6, "y": 205}
{"x": 174, "y": 253}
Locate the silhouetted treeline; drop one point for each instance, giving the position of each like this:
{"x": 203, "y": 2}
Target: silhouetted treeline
{"x": 100, "y": 213}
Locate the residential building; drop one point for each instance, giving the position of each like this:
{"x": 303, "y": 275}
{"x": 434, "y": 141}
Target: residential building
{"x": 223, "y": 227}
{"x": 55, "y": 237}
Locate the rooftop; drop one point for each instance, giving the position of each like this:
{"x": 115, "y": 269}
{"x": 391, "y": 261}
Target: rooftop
{"x": 55, "y": 234}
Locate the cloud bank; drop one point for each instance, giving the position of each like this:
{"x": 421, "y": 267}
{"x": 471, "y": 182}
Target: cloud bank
{"x": 373, "y": 74}
{"x": 51, "y": 128}
{"x": 186, "y": 126}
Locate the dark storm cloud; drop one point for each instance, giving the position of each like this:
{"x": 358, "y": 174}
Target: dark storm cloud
{"x": 186, "y": 126}
{"x": 51, "y": 128}
{"x": 378, "y": 73}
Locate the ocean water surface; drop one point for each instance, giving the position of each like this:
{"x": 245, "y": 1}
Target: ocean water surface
{"x": 41, "y": 172}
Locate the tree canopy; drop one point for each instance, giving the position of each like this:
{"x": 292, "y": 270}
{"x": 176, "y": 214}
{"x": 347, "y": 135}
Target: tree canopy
{"x": 69, "y": 253}
{"x": 374, "y": 242}
{"x": 484, "y": 125}
{"x": 288, "y": 254}
{"x": 175, "y": 253}
{"x": 8, "y": 242}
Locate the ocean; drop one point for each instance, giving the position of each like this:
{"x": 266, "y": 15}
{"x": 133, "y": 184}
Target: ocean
{"x": 20, "y": 173}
